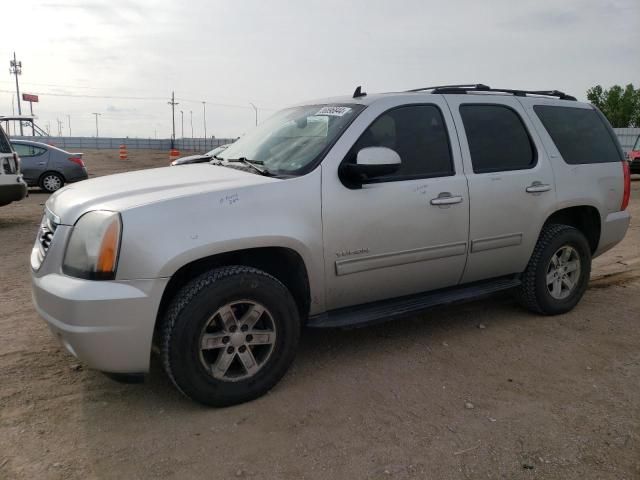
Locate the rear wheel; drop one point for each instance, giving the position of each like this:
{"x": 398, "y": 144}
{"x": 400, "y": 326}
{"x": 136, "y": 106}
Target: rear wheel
{"x": 230, "y": 335}
{"x": 51, "y": 181}
{"x": 558, "y": 272}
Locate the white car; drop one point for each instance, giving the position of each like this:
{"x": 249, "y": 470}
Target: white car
{"x": 12, "y": 185}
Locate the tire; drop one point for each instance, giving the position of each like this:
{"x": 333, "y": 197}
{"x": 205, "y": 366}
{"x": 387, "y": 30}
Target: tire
{"x": 197, "y": 367}
{"x": 51, "y": 182}
{"x": 555, "y": 243}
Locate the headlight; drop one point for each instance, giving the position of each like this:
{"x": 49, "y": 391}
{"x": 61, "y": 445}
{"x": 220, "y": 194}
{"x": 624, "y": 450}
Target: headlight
{"x": 92, "y": 251}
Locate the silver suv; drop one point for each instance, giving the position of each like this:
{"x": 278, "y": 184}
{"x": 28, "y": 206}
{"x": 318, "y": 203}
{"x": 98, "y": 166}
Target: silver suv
{"x": 336, "y": 213}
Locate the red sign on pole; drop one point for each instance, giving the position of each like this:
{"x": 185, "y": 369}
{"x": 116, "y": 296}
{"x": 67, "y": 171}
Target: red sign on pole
{"x": 27, "y": 97}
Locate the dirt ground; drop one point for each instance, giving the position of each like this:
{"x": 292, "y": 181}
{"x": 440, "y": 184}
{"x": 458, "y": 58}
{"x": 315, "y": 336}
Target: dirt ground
{"x": 479, "y": 390}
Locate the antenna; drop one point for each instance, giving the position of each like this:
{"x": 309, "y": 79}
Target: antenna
{"x": 358, "y": 92}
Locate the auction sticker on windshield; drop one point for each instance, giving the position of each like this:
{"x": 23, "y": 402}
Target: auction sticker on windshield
{"x": 333, "y": 111}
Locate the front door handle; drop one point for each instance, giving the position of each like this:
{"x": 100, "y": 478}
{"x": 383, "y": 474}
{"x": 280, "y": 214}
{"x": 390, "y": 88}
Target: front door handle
{"x": 446, "y": 198}
{"x": 42, "y": 163}
{"x": 538, "y": 187}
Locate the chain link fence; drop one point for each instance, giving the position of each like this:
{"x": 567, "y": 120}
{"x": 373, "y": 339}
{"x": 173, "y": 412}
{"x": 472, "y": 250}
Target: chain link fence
{"x": 182, "y": 144}
{"x": 627, "y": 137}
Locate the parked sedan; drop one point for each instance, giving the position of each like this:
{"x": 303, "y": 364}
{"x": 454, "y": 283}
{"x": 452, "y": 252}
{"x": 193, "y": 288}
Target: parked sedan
{"x": 205, "y": 157}
{"x": 48, "y": 167}
{"x": 634, "y": 157}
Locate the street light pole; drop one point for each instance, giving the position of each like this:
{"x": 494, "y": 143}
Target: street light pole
{"x": 69, "y": 122}
{"x": 15, "y": 67}
{"x": 173, "y": 104}
{"x": 182, "y": 123}
{"x": 256, "y": 110}
{"x": 204, "y": 116}
{"x": 191, "y": 113}
{"x": 97, "y": 115}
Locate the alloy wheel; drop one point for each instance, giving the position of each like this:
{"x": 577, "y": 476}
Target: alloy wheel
{"x": 237, "y": 340}
{"x": 563, "y": 272}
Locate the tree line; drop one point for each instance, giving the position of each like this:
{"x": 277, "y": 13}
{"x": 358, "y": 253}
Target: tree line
{"x": 620, "y": 105}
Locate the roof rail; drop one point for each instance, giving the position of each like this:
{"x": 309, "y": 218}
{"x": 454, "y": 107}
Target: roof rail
{"x": 479, "y": 87}
{"x": 475, "y": 86}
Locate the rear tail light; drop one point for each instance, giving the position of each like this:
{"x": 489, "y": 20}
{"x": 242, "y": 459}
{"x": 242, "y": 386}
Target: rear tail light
{"x": 627, "y": 185}
{"x": 77, "y": 160}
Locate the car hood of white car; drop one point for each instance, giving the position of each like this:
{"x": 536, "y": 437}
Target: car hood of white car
{"x": 122, "y": 191}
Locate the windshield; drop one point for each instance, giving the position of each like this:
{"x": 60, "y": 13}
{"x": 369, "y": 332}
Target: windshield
{"x": 290, "y": 141}
{"x": 637, "y": 145}
{"x": 216, "y": 150}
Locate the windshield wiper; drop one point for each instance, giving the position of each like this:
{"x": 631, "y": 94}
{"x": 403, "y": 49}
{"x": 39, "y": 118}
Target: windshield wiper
{"x": 252, "y": 164}
{"x": 219, "y": 160}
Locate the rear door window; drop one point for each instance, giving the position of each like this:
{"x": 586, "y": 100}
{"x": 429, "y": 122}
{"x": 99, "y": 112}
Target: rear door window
{"x": 498, "y": 140}
{"x": 28, "y": 150}
{"x": 580, "y": 134}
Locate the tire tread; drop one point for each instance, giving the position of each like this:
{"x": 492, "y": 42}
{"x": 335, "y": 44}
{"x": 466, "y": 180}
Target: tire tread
{"x": 527, "y": 292}
{"x": 182, "y": 299}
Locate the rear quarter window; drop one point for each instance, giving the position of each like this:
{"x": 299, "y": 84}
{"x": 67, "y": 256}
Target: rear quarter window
{"x": 5, "y": 146}
{"x": 580, "y": 134}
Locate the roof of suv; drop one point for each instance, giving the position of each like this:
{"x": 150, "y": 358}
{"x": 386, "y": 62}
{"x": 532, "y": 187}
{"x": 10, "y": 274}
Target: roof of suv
{"x": 363, "y": 98}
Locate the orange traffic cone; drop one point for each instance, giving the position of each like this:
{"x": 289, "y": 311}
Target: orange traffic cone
{"x": 173, "y": 154}
{"x": 123, "y": 152}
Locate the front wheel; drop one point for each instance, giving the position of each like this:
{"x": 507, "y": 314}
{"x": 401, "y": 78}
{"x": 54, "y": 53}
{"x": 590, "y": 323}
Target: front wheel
{"x": 230, "y": 335}
{"x": 558, "y": 272}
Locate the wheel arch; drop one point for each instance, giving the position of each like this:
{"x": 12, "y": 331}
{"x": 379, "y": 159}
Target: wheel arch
{"x": 43, "y": 174}
{"x": 283, "y": 263}
{"x": 585, "y": 218}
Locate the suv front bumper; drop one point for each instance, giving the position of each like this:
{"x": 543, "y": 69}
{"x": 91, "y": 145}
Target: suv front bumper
{"x": 108, "y": 325}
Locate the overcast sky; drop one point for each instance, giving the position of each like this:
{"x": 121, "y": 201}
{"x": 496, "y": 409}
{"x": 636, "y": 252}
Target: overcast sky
{"x": 274, "y": 53}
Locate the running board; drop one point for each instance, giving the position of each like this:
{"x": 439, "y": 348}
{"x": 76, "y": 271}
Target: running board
{"x": 385, "y": 310}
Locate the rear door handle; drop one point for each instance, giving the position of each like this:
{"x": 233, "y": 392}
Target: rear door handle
{"x": 446, "y": 199}
{"x": 42, "y": 163}
{"x": 538, "y": 187}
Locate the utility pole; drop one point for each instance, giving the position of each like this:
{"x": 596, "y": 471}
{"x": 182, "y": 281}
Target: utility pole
{"x": 48, "y": 128}
{"x": 182, "y": 122}
{"x": 191, "y": 113}
{"x": 204, "y": 116}
{"x": 97, "y": 115}
{"x": 69, "y": 123}
{"x": 60, "y": 124}
{"x": 256, "y": 110}
{"x": 173, "y": 104}
{"x": 15, "y": 68}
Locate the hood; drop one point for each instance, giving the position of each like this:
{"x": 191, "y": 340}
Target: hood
{"x": 127, "y": 190}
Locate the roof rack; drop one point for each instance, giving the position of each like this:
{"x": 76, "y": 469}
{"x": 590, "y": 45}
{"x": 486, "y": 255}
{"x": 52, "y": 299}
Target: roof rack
{"x": 466, "y": 86}
{"x": 479, "y": 87}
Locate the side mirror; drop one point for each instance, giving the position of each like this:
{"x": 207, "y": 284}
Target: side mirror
{"x": 371, "y": 162}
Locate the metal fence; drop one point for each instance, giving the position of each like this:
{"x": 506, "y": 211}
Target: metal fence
{"x": 187, "y": 144}
{"x": 627, "y": 137}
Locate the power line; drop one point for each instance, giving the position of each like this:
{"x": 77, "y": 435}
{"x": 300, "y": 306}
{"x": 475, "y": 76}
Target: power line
{"x": 122, "y": 97}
